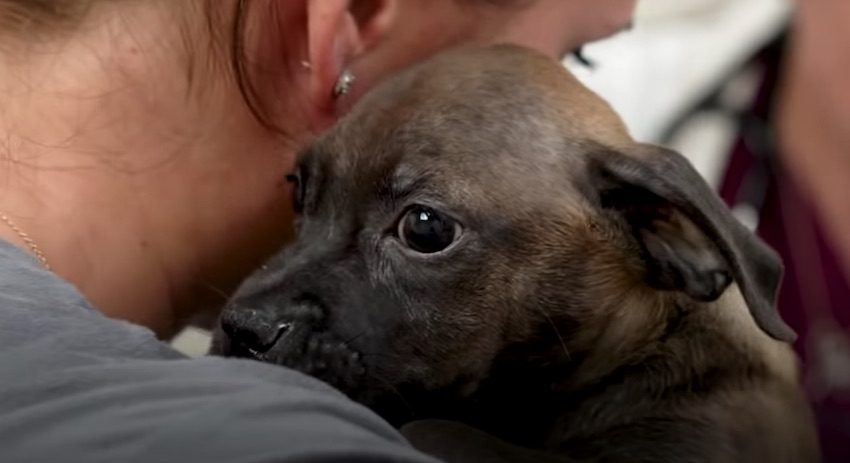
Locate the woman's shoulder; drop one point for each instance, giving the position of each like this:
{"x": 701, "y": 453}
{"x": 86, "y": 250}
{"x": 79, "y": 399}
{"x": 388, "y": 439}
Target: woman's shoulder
{"x": 76, "y": 385}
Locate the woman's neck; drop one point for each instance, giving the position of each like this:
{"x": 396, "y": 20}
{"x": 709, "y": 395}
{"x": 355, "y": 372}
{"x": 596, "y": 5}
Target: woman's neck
{"x": 135, "y": 193}
{"x": 92, "y": 234}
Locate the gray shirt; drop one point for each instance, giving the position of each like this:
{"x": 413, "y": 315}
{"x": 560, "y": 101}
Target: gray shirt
{"x": 76, "y": 386}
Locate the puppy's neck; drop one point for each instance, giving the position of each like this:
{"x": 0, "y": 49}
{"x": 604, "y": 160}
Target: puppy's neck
{"x": 698, "y": 349}
{"x": 650, "y": 340}
{"x": 683, "y": 334}
{"x": 631, "y": 321}
{"x": 520, "y": 399}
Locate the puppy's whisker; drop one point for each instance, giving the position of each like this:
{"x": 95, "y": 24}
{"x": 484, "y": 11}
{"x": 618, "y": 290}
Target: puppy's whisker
{"x": 349, "y": 341}
{"x": 557, "y": 333}
{"x": 408, "y": 308}
{"x": 215, "y": 290}
{"x": 396, "y": 392}
{"x": 375, "y": 354}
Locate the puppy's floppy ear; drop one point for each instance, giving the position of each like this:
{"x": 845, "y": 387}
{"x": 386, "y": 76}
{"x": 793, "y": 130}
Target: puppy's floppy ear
{"x": 688, "y": 238}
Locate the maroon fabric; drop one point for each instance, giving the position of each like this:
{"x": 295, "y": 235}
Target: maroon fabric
{"x": 813, "y": 284}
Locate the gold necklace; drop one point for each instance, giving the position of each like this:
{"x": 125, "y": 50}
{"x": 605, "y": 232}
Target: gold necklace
{"x": 26, "y": 239}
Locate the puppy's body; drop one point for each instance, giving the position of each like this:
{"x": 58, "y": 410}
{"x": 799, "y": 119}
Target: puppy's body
{"x": 700, "y": 388}
{"x": 593, "y": 301}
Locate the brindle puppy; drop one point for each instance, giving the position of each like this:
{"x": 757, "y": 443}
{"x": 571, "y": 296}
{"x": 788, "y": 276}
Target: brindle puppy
{"x": 481, "y": 241}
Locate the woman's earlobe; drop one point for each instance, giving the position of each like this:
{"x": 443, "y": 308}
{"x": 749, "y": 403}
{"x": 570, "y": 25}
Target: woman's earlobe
{"x": 332, "y": 43}
{"x": 339, "y": 33}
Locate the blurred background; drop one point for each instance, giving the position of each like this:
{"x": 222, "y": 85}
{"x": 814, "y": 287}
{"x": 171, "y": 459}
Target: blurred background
{"x": 678, "y": 54}
{"x": 756, "y": 93}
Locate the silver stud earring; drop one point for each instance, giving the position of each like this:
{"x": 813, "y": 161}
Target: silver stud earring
{"x": 344, "y": 83}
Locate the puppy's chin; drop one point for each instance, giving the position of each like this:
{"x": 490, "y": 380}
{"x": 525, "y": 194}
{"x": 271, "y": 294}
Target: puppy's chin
{"x": 326, "y": 357}
{"x": 316, "y": 353}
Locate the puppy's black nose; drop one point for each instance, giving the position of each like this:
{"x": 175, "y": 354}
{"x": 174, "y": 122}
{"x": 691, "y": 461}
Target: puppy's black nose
{"x": 252, "y": 329}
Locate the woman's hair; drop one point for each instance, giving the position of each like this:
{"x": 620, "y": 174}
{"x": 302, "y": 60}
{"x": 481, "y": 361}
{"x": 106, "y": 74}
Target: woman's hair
{"x": 225, "y": 25}
{"x": 19, "y": 14}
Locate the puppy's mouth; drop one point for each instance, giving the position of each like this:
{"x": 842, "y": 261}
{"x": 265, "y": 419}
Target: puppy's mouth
{"x": 317, "y": 353}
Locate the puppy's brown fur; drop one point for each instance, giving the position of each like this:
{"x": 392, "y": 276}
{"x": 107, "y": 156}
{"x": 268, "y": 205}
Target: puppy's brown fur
{"x": 600, "y": 304}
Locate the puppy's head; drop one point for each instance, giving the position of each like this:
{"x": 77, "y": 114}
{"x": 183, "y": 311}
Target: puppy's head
{"x": 477, "y": 205}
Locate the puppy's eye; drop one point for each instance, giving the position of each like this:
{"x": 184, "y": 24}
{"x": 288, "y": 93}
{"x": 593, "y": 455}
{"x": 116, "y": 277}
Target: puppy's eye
{"x": 427, "y": 231}
{"x": 297, "y": 180}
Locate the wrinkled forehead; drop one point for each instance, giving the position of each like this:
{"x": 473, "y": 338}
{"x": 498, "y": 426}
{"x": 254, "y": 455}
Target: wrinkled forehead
{"x": 498, "y": 116}
{"x": 481, "y": 153}
{"x": 456, "y": 154}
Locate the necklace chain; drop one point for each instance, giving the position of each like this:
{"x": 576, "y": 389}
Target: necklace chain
{"x": 26, "y": 239}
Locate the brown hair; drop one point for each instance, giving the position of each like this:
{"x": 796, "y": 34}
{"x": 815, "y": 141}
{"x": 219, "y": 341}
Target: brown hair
{"x": 19, "y": 14}
{"x": 225, "y": 29}
{"x": 238, "y": 64}
{"x": 225, "y": 24}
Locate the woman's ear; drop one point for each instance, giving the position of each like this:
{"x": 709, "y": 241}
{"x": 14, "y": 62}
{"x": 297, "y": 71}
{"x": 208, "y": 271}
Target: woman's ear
{"x": 338, "y": 32}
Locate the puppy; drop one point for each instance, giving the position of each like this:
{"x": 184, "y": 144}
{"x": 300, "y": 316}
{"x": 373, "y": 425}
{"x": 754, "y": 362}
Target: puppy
{"x": 481, "y": 244}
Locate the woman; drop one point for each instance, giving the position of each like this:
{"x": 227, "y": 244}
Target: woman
{"x": 144, "y": 149}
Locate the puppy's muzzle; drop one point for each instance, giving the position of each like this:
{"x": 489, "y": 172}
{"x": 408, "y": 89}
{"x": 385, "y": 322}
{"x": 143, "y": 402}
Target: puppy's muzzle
{"x": 294, "y": 335}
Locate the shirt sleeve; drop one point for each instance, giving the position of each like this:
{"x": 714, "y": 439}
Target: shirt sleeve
{"x": 76, "y": 386}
